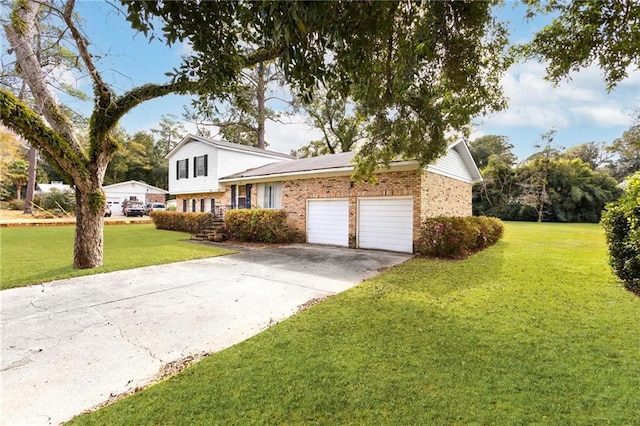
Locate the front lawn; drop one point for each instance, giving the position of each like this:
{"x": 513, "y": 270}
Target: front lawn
{"x": 31, "y": 255}
{"x": 534, "y": 330}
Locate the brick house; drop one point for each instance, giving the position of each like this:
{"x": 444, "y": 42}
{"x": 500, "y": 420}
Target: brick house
{"x": 323, "y": 202}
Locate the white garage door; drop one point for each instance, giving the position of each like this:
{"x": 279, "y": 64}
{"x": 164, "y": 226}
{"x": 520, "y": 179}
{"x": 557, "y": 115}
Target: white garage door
{"x": 328, "y": 222}
{"x": 386, "y": 224}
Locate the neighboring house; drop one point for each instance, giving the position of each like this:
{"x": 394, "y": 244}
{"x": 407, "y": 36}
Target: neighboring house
{"x": 196, "y": 164}
{"x": 46, "y": 188}
{"x": 329, "y": 208}
{"x": 133, "y": 190}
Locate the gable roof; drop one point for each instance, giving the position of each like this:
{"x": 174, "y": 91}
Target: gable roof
{"x": 151, "y": 188}
{"x": 342, "y": 163}
{"x": 228, "y": 146}
{"x": 46, "y": 188}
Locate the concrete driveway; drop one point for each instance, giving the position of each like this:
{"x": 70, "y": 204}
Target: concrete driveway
{"x": 70, "y": 345}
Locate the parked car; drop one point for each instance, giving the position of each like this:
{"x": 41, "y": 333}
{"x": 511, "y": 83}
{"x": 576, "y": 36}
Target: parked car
{"x": 133, "y": 208}
{"x": 107, "y": 210}
{"x": 154, "y": 207}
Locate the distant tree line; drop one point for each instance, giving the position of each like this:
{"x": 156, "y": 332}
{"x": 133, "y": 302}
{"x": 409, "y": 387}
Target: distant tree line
{"x": 141, "y": 158}
{"x": 553, "y": 184}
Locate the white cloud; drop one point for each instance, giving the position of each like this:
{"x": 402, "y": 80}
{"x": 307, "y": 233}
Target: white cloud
{"x": 535, "y": 102}
{"x": 292, "y": 135}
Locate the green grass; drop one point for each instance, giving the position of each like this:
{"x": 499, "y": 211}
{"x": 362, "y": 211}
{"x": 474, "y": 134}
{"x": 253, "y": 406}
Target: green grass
{"x": 534, "y": 330}
{"x": 31, "y": 255}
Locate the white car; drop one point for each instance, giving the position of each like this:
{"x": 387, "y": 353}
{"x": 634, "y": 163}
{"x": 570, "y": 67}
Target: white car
{"x": 153, "y": 207}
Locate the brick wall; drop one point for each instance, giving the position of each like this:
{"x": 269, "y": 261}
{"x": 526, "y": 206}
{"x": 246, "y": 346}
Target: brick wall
{"x": 444, "y": 196}
{"x": 222, "y": 198}
{"x": 296, "y": 192}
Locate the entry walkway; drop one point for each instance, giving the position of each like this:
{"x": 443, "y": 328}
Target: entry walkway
{"x": 70, "y": 345}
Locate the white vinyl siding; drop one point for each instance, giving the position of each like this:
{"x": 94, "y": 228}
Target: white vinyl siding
{"x": 452, "y": 165}
{"x": 328, "y": 222}
{"x": 386, "y": 223}
{"x": 220, "y": 161}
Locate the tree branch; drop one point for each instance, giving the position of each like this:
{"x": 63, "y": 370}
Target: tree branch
{"x": 20, "y": 33}
{"x": 100, "y": 89}
{"x": 21, "y": 119}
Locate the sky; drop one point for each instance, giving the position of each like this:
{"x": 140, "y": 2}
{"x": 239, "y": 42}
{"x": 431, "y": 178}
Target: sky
{"x": 580, "y": 110}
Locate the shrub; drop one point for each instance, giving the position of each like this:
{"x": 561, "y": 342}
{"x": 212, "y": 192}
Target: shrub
{"x": 621, "y": 222}
{"x": 458, "y": 237}
{"x": 177, "y": 221}
{"x": 57, "y": 201}
{"x": 15, "y": 204}
{"x": 258, "y": 225}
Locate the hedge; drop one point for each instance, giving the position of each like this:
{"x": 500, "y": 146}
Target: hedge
{"x": 458, "y": 237}
{"x": 177, "y": 221}
{"x": 259, "y": 225}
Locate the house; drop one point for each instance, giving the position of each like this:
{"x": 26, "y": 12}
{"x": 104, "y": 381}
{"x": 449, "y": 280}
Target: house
{"x": 323, "y": 202}
{"x": 46, "y": 188}
{"x": 196, "y": 164}
{"x": 133, "y": 190}
{"x": 329, "y": 208}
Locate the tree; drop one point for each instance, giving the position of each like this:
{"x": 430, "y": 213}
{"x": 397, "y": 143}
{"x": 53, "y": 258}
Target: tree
{"x": 341, "y": 126}
{"x": 484, "y": 147}
{"x": 312, "y": 149}
{"x": 17, "y": 173}
{"x": 169, "y": 134}
{"x": 587, "y": 32}
{"x": 84, "y": 167}
{"x": 536, "y": 174}
{"x": 246, "y": 112}
{"x": 498, "y": 190}
{"x": 593, "y": 154}
{"x": 416, "y": 70}
{"x": 626, "y": 154}
{"x": 48, "y": 45}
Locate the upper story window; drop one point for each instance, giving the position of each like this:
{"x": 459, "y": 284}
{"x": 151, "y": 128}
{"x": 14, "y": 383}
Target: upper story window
{"x": 200, "y": 166}
{"x": 182, "y": 167}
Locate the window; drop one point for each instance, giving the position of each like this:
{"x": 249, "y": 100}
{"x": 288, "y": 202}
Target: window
{"x": 182, "y": 167}
{"x": 241, "y": 196}
{"x": 200, "y": 166}
{"x": 193, "y": 205}
{"x": 270, "y": 195}
{"x": 202, "y": 204}
{"x": 184, "y": 205}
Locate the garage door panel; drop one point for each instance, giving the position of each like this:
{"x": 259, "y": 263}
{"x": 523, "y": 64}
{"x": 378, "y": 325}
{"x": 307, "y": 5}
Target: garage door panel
{"x": 386, "y": 224}
{"x": 328, "y": 222}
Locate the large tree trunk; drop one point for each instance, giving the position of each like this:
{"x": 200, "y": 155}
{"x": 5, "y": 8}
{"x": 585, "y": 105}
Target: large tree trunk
{"x": 31, "y": 180}
{"x": 89, "y": 238}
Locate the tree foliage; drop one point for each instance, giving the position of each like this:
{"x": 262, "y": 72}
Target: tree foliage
{"x": 483, "y": 148}
{"x": 341, "y": 124}
{"x": 416, "y": 70}
{"x": 549, "y": 186}
{"x": 621, "y": 222}
{"x": 626, "y": 153}
{"x": 586, "y": 32}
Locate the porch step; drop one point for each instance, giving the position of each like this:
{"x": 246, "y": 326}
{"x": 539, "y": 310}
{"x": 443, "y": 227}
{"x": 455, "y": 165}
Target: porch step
{"x": 208, "y": 233}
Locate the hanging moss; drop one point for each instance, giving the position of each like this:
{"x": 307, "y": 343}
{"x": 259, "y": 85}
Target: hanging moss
{"x": 20, "y": 118}
{"x": 97, "y": 200}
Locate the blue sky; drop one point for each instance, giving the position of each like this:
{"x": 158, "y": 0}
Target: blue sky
{"x": 579, "y": 110}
